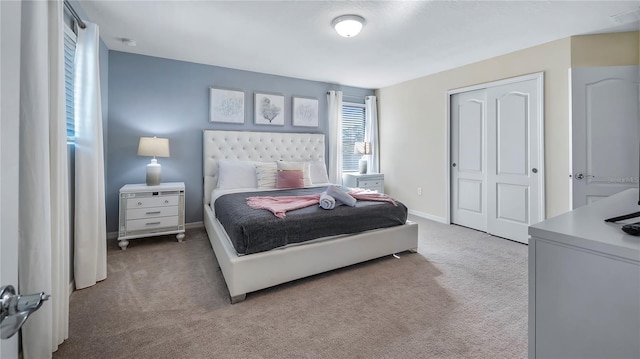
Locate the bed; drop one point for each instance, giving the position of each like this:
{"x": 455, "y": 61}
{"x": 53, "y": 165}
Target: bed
{"x": 248, "y": 273}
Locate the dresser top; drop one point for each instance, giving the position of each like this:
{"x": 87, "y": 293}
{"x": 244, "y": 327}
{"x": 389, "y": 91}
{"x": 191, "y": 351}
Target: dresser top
{"x": 585, "y": 226}
{"x": 142, "y": 187}
{"x": 364, "y": 175}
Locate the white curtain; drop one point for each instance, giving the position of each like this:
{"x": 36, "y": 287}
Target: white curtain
{"x": 43, "y": 214}
{"x": 90, "y": 255}
{"x": 334, "y": 101}
{"x": 371, "y": 133}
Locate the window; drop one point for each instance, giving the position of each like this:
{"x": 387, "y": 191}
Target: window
{"x": 69, "y": 54}
{"x": 353, "y": 124}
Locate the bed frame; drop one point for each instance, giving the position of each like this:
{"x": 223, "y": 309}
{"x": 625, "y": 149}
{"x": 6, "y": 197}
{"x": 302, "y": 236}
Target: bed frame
{"x": 248, "y": 273}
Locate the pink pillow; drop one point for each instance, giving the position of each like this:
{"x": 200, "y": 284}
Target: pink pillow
{"x": 290, "y": 179}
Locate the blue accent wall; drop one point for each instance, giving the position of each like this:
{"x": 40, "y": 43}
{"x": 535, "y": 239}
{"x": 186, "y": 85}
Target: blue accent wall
{"x": 150, "y": 96}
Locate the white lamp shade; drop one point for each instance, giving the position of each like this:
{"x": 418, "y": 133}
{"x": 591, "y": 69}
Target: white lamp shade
{"x": 153, "y": 146}
{"x": 363, "y": 148}
{"x": 348, "y": 25}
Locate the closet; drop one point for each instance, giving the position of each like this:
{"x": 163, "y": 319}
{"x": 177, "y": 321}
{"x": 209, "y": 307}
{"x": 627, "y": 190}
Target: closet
{"x": 496, "y": 156}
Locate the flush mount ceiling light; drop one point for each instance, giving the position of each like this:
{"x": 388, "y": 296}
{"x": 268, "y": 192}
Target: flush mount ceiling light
{"x": 348, "y": 25}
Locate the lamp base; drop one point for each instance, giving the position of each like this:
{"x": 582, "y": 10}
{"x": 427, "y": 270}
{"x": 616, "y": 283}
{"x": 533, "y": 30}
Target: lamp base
{"x": 362, "y": 166}
{"x": 153, "y": 173}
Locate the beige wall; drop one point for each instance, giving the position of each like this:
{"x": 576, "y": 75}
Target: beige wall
{"x": 619, "y": 49}
{"x": 413, "y": 118}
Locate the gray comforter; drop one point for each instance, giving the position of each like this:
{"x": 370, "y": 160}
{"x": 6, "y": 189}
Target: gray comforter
{"x": 258, "y": 230}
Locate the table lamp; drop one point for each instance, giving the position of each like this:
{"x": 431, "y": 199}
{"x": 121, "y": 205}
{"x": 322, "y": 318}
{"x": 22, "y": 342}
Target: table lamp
{"x": 363, "y": 148}
{"x": 155, "y": 147}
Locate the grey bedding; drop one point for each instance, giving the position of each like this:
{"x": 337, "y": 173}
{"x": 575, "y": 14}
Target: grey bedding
{"x": 258, "y": 230}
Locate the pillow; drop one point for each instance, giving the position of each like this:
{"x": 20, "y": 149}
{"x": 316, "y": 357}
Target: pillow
{"x": 318, "y": 172}
{"x": 266, "y": 174}
{"x": 296, "y": 166}
{"x": 289, "y": 179}
{"x": 236, "y": 174}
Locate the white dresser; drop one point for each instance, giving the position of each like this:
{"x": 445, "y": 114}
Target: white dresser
{"x": 584, "y": 283}
{"x": 150, "y": 211}
{"x": 372, "y": 181}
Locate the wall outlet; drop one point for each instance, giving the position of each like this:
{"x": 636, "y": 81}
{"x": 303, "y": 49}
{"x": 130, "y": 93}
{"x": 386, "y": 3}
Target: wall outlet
{"x": 419, "y": 191}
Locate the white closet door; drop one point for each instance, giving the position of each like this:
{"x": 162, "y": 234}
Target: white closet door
{"x": 497, "y": 170}
{"x": 514, "y": 159}
{"x": 605, "y": 115}
{"x": 468, "y": 165}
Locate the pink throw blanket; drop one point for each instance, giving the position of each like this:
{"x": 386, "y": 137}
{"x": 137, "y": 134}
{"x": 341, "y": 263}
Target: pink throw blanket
{"x": 279, "y": 205}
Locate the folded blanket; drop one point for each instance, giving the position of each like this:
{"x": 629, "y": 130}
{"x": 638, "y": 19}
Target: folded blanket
{"x": 368, "y": 195}
{"x": 341, "y": 196}
{"x": 280, "y": 205}
{"x": 328, "y": 202}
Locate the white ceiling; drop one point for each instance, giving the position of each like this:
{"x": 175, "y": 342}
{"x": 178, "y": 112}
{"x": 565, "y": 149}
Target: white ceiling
{"x": 401, "y": 40}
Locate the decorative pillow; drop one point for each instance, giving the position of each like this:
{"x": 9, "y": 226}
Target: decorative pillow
{"x": 289, "y": 179}
{"x": 236, "y": 174}
{"x": 266, "y": 174}
{"x": 318, "y": 172}
{"x": 296, "y": 166}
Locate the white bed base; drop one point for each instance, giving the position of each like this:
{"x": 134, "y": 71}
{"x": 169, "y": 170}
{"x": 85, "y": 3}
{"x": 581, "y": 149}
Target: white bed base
{"x": 244, "y": 274}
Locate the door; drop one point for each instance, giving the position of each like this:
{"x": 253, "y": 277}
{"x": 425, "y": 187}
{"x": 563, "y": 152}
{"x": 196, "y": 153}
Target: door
{"x": 9, "y": 124}
{"x": 497, "y": 172}
{"x": 468, "y": 172}
{"x": 514, "y": 197}
{"x": 605, "y": 130}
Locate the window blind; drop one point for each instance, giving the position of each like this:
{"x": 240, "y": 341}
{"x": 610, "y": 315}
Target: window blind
{"x": 353, "y": 124}
{"x": 69, "y": 55}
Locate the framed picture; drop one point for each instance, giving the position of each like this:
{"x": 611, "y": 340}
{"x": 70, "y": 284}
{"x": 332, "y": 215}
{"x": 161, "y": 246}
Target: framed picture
{"x": 226, "y": 105}
{"x": 305, "y": 112}
{"x": 269, "y": 109}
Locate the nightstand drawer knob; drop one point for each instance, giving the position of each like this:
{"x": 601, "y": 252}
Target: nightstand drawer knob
{"x": 139, "y": 203}
{"x": 166, "y": 201}
{"x": 153, "y": 223}
{"x": 154, "y": 212}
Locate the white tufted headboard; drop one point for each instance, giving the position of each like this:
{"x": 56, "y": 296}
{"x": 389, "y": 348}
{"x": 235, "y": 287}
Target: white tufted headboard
{"x": 255, "y": 146}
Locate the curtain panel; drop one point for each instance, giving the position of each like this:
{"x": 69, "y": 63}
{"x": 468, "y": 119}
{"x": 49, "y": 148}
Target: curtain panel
{"x": 371, "y": 133}
{"x": 43, "y": 260}
{"x": 334, "y": 101}
{"x": 90, "y": 255}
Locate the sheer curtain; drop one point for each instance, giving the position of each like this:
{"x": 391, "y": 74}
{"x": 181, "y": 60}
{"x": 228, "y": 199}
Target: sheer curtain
{"x": 90, "y": 256}
{"x": 43, "y": 214}
{"x": 371, "y": 133}
{"x": 334, "y": 101}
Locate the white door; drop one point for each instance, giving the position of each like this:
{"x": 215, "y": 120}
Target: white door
{"x": 468, "y": 172}
{"x": 497, "y": 171}
{"x": 9, "y": 124}
{"x": 514, "y": 195}
{"x": 605, "y": 115}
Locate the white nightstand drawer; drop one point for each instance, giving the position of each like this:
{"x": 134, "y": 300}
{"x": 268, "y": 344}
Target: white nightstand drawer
{"x": 369, "y": 183}
{"x": 152, "y": 202}
{"x": 137, "y": 213}
{"x": 151, "y": 223}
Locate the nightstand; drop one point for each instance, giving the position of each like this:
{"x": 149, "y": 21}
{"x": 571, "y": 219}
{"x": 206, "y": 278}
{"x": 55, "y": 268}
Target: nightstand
{"x": 151, "y": 211}
{"x": 372, "y": 181}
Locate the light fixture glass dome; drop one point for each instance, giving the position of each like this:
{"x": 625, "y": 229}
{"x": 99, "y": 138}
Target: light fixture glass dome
{"x": 348, "y": 25}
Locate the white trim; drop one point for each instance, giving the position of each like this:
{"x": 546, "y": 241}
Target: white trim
{"x": 192, "y": 225}
{"x": 429, "y": 216}
{"x": 539, "y": 77}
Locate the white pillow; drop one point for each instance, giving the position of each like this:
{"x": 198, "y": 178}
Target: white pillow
{"x": 318, "y": 172}
{"x": 266, "y": 174}
{"x": 236, "y": 174}
{"x": 296, "y": 166}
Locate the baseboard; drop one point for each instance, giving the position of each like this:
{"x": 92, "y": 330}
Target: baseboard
{"x": 192, "y": 225}
{"x": 428, "y": 216}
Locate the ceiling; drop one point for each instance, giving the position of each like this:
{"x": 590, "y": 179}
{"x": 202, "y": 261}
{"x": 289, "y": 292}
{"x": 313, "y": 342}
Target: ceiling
{"x": 401, "y": 40}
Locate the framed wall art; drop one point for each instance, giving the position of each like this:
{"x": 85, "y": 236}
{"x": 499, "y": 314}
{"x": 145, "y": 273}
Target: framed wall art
{"x": 305, "y": 112}
{"x": 269, "y": 109}
{"x": 226, "y": 105}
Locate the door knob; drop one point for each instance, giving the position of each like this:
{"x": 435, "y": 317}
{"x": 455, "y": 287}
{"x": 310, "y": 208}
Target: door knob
{"x": 579, "y": 176}
{"x": 534, "y": 170}
{"x": 15, "y": 309}
{"x": 454, "y": 164}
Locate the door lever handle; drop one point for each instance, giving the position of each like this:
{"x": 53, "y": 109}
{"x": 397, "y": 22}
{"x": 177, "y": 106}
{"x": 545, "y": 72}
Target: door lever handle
{"x": 15, "y": 309}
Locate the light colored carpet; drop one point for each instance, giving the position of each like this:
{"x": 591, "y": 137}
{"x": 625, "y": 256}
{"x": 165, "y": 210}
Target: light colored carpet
{"x": 463, "y": 295}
